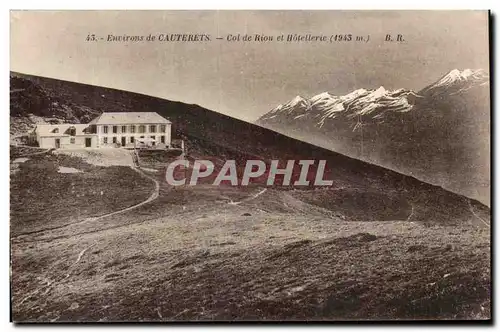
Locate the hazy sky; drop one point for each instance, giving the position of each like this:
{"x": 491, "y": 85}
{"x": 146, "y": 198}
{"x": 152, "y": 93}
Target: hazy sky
{"x": 245, "y": 80}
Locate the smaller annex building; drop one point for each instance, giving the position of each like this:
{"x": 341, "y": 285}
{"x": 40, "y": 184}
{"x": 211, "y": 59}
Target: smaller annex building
{"x": 115, "y": 129}
{"x": 64, "y": 135}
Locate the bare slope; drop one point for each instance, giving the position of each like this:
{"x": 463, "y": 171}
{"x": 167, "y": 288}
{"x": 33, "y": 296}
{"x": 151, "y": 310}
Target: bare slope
{"x": 192, "y": 255}
{"x": 439, "y": 134}
{"x": 377, "y": 244}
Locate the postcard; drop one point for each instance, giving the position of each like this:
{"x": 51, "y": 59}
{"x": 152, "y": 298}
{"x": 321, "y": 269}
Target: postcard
{"x": 250, "y": 166}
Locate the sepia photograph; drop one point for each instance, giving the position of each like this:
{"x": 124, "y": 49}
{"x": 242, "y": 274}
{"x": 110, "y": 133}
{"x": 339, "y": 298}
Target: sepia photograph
{"x": 250, "y": 166}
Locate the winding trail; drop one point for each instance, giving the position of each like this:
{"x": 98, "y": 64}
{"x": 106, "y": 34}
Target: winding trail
{"x": 52, "y": 283}
{"x": 154, "y": 195}
{"x": 33, "y": 154}
{"x": 476, "y": 215}
{"x": 412, "y": 212}
{"x": 231, "y": 202}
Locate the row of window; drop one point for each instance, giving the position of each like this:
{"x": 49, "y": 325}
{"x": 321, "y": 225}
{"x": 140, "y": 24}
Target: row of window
{"x": 72, "y": 130}
{"x": 141, "y": 129}
{"x": 115, "y": 140}
{"x": 130, "y": 140}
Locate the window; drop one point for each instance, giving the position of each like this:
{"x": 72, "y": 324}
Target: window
{"x": 142, "y": 129}
{"x": 72, "y": 131}
{"x": 162, "y": 139}
{"x": 105, "y": 129}
{"x": 90, "y": 129}
{"x": 153, "y": 143}
{"x": 105, "y": 139}
{"x": 114, "y": 139}
{"x": 124, "y": 129}
{"x": 55, "y": 131}
{"x": 132, "y": 129}
{"x": 163, "y": 128}
{"x": 72, "y": 140}
{"x": 132, "y": 139}
{"x": 115, "y": 129}
{"x": 152, "y": 129}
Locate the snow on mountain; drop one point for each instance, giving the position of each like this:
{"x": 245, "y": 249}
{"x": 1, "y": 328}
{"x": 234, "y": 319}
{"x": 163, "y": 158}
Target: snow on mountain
{"x": 367, "y": 103}
{"x": 373, "y": 105}
{"x": 457, "y": 81}
{"x": 294, "y": 104}
{"x": 432, "y": 134}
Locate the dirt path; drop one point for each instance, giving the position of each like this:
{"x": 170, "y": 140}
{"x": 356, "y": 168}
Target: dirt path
{"x": 231, "y": 202}
{"x": 475, "y": 215}
{"x": 50, "y": 284}
{"x": 154, "y": 195}
{"x": 32, "y": 154}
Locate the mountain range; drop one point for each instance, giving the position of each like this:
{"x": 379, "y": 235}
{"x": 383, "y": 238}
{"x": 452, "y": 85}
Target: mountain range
{"x": 439, "y": 134}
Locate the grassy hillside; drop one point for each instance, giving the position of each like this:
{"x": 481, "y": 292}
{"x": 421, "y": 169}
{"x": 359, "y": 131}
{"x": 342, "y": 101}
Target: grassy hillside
{"x": 191, "y": 256}
{"x": 42, "y": 198}
{"x": 375, "y": 245}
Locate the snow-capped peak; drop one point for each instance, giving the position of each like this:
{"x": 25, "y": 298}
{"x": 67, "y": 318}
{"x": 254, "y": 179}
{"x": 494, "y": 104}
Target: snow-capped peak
{"x": 375, "y": 105}
{"x": 292, "y": 105}
{"x": 457, "y": 80}
{"x": 295, "y": 101}
{"x": 372, "y": 104}
{"x": 323, "y": 95}
{"x": 456, "y": 76}
{"x": 379, "y": 92}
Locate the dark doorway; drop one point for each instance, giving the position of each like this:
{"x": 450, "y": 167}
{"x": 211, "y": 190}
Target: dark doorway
{"x": 58, "y": 143}
{"x": 88, "y": 142}
{"x": 124, "y": 141}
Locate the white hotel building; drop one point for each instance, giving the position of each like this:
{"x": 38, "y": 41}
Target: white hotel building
{"x": 123, "y": 129}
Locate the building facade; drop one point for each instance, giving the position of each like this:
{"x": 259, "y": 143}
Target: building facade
{"x": 64, "y": 136}
{"x": 124, "y": 129}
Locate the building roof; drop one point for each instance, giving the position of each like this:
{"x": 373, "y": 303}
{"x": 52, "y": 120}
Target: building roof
{"x": 118, "y": 118}
{"x": 61, "y": 129}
